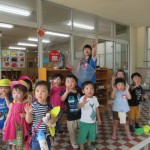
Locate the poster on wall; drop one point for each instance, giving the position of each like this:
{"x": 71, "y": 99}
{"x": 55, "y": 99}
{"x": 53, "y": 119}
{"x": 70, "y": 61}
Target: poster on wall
{"x": 54, "y": 56}
{"x": 6, "y": 59}
{"x": 13, "y": 59}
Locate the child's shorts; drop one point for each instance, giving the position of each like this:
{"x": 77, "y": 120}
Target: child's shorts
{"x": 87, "y": 131}
{"x": 134, "y": 113}
{"x": 116, "y": 116}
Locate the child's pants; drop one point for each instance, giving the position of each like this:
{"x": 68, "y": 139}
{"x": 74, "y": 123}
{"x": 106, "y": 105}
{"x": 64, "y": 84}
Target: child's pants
{"x": 72, "y": 128}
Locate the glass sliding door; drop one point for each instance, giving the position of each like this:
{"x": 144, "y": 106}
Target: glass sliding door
{"x": 105, "y": 50}
{"x": 122, "y": 58}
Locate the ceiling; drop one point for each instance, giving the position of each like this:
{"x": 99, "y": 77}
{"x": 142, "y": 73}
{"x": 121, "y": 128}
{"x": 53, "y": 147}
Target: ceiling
{"x": 130, "y": 12}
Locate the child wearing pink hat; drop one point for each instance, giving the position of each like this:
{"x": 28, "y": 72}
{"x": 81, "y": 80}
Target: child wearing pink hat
{"x": 16, "y": 114}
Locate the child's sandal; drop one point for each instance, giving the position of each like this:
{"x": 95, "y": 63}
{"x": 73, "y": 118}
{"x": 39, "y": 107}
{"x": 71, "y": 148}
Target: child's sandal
{"x": 114, "y": 137}
{"x": 129, "y": 136}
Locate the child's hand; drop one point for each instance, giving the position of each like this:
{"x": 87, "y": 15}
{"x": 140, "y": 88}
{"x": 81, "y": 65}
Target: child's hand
{"x": 4, "y": 94}
{"x": 99, "y": 122}
{"x": 114, "y": 88}
{"x": 52, "y": 83}
{"x": 68, "y": 89}
{"x": 85, "y": 100}
{"x": 113, "y": 78}
{"x": 28, "y": 108}
{"x": 145, "y": 96}
{"x": 22, "y": 115}
{"x": 53, "y": 120}
{"x": 127, "y": 87}
{"x": 94, "y": 45}
{"x": 137, "y": 84}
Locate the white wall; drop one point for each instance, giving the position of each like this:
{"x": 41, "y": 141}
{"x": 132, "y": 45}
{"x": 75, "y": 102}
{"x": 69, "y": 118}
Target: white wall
{"x": 141, "y": 46}
{"x": 137, "y": 51}
{"x": 133, "y": 49}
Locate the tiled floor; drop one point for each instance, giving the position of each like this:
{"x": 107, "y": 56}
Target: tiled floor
{"x": 104, "y": 141}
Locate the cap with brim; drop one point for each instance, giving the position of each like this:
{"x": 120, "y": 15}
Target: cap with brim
{"x": 24, "y": 78}
{"x": 4, "y": 82}
{"x": 20, "y": 82}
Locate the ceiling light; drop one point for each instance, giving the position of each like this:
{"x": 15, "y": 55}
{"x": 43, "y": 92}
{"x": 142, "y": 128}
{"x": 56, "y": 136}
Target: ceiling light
{"x": 36, "y": 40}
{"x": 79, "y": 25}
{"x": 14, "y": 10}
{"x": 57, "y": 34}
{"x": 27, "y": 44}
{"x": 4, "y": 25}
{"x": 20, "y": 48}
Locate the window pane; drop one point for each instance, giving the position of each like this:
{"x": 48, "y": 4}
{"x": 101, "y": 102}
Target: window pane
{"x": 79, "y": 42}
{"x": 122, "y": 32}
{"x": 83, "y": 23}
{"x": 105, "y": 53}
{"x": 148, "y": 58}
{"x": 121, "y": 56}
{"x": 101, "y": 54}
{"x": 29, "y": 5}
{"x": 105, "y": 28}
{"x": 56, "y": 17}
{"x": 148, "y": 41}
{"x": 109, "y": 55}
{"x": 62, "y": 45}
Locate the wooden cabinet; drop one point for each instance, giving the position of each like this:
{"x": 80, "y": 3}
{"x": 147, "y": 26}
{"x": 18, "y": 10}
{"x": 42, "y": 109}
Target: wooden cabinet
{"x": 63, "y": 72}
{"x": 101, "y": 82}
{"x": 46, "y": 74}
{"x": 102, "y": 87}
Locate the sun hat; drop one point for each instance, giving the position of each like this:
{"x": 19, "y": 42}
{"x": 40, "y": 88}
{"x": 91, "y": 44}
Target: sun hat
{"x": 4, "y": 82}
{"x": 24, "y": 78}
{"x": 20, "y": 82}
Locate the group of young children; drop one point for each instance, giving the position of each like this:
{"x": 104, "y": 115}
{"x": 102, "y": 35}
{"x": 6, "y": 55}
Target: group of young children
{"x": 127, "y": 99}
{"x": 23, "y": 107}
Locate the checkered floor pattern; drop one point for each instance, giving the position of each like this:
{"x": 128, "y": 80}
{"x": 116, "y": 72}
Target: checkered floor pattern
{"x": 103, "y": 140}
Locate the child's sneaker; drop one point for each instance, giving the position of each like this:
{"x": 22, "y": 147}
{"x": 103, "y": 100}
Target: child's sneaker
{"x": 131, "y": 128}
{"x": 129, "y": 136}
{"x": 61, "y": 132}
{"x": 75, "y": 146}
{"x": 114, "y": 137}
{"x": 137, "y": 125}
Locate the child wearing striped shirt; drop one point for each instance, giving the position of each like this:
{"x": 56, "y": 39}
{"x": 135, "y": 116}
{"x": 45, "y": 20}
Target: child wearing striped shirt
{"x": 37, "y": 111}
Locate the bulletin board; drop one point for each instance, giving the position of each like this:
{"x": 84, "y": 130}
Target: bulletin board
{"x": 13, "y": 59}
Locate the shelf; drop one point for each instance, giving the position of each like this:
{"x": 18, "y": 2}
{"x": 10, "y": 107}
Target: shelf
{"x": 101, "y": 80}
{"x": 102, "y": 93}
{"x": 11, "y": 74}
